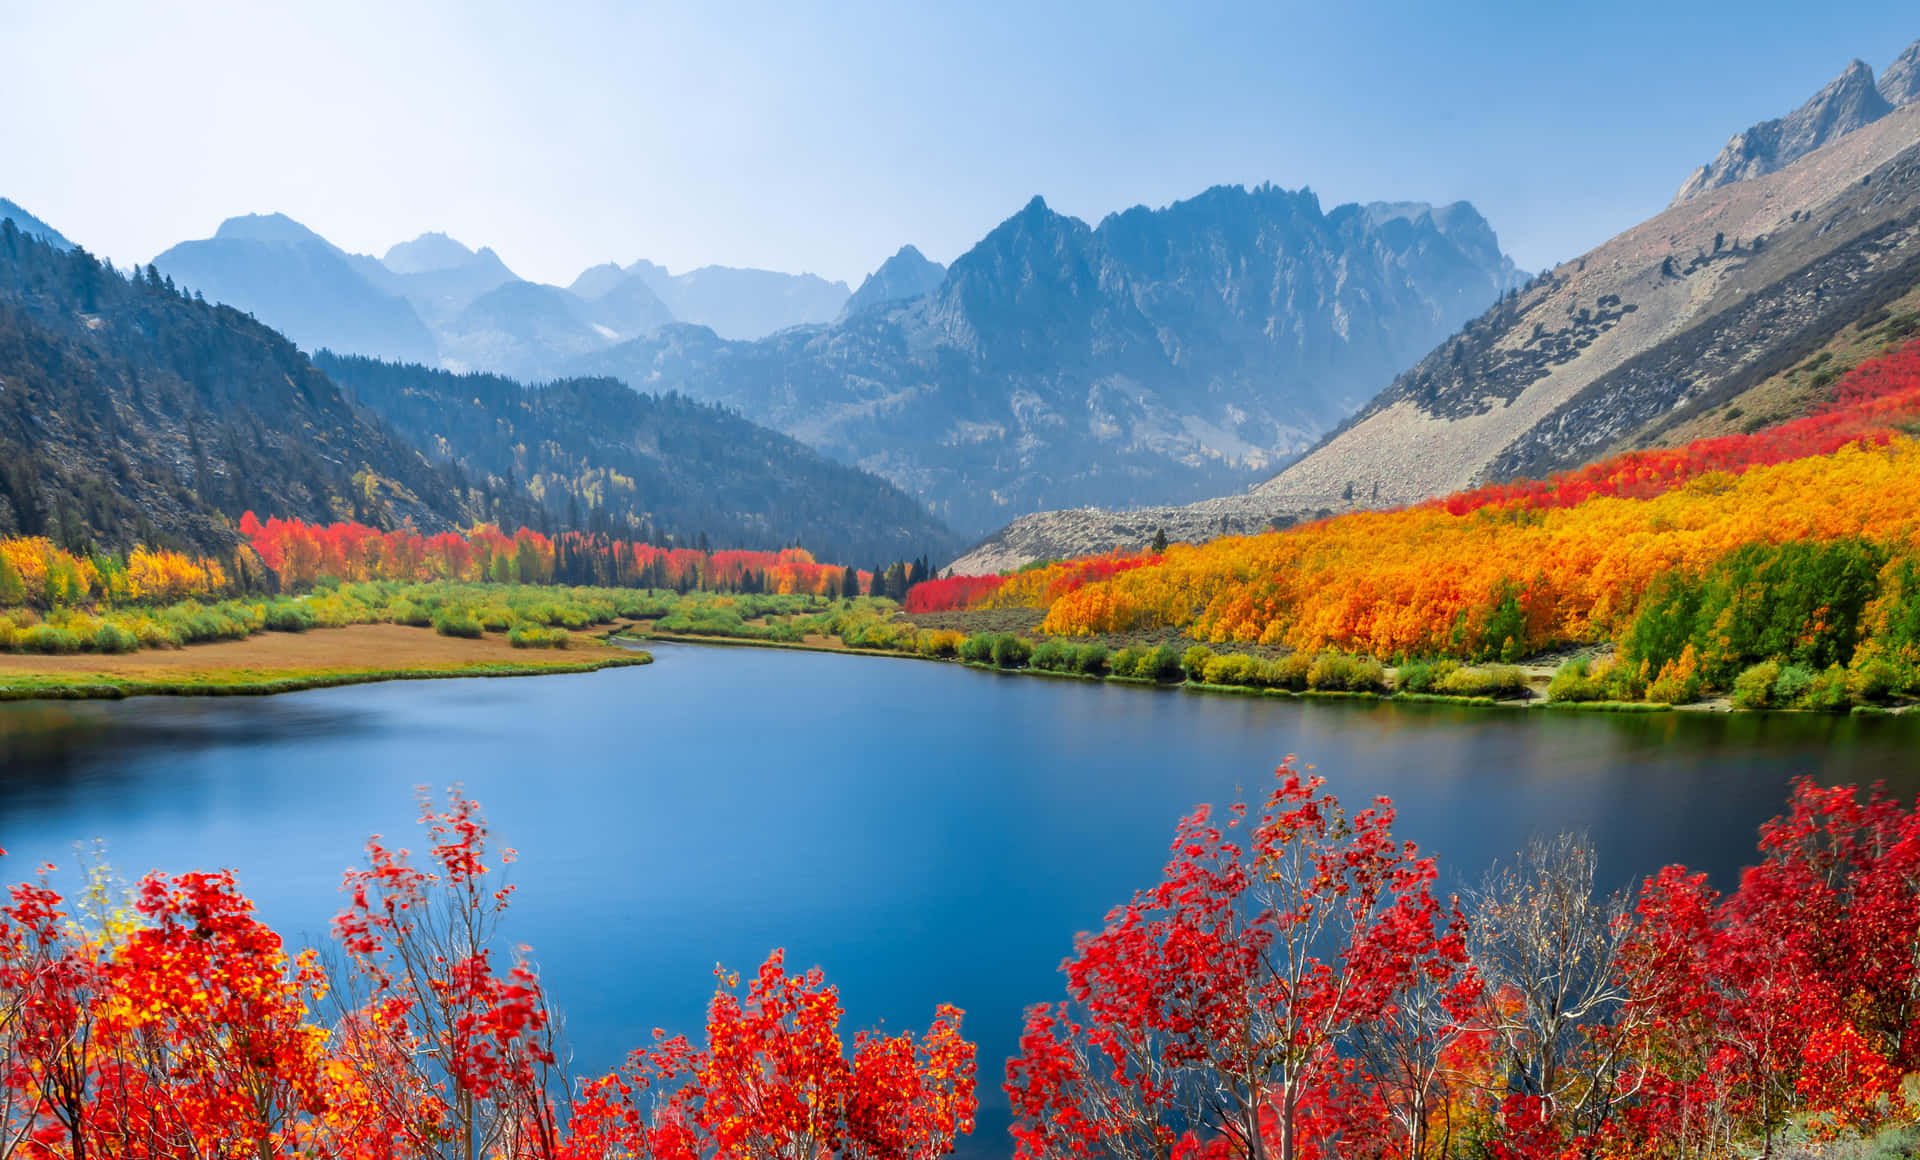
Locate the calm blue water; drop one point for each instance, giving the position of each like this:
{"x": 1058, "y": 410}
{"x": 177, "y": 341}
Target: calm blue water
{"x": 925, "y": 833}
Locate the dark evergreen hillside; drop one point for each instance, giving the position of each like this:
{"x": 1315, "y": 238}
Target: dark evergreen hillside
{"x": 129, "y": 411}
{"x": 603, "y": 458}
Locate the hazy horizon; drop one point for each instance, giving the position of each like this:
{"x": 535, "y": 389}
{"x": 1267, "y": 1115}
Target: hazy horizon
{"x": 822, "y": 141}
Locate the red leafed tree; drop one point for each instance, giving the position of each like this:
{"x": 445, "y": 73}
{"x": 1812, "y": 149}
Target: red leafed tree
{"x": 1793, "y": 995}
{"x": 775, "y": 1081}
{"x": 215, "y": 1052}
{"x": 1219, "y": 1008}
{"x": 440, "y": 1048}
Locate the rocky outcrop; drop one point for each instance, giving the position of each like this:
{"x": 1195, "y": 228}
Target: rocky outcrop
{"x": 1849, "y": 103}
{"x": 1852, "y": 101}
{"x": 1900, "y": 84}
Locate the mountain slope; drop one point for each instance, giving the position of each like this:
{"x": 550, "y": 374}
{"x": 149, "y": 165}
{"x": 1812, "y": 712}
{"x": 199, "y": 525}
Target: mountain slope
{"x": 603, "y": 456}
{"x": 1169, "y": 353}
{"x": 1680, "y": 310}
{"x": 294, "y": 280}
{"x": 130, "y": 412}
{"x": 32, "y": 226}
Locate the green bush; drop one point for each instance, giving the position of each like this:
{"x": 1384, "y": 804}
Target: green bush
{"x": 1872, "y": 679}
{"x": 1339, "y": 672}
{"x": 1053, "y": 657}
{"x": 534, "y": 636}
{"x": 1753, "y": 689}
{"x": 1492, "y": 681}
{"x": 1829, "y": 693}
{"x": 1194, "y": 662}
{"x": 288, "y": 617}
{"x": 1125, "y": 662}
{"x": 1290, "y": 672}
{"x": 408, "y": 613}
{"x": 45, "y": 638}
{"x": 111, "y": 638}
{"x": 978, "y": 648}
{"x": 1790, "y": 687}
{"x": 458, "y": 622}
{"x": 1162, "y": 664}
{"x": 1236, "y": 669}
{"x": 496, "y": 618}
{"x": 1011, "y": 652}
{"x": 1090, "y": 659}
{"x": 1424, "y": 676}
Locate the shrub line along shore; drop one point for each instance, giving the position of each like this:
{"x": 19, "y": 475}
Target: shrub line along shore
{"x": 1204, "y": 688}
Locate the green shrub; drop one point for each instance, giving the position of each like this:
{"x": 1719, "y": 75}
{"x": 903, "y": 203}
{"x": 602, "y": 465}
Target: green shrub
{"x": 1492, "y": 681}
{"x": 1290, "y": 672}
{"x": 1339, "y": 672}
{"x": 1125, "y": 662}
{"x": 1753, "y": 689}
{"x": 1424, "y": 676}
{"x": 45, "y": 638}
{"x": 1236, "y": 669}
{"x": 288, "y": 617}
{"x": 1053, "y": 657}
{"x": 1011, "y": 652}
{"x": 111, "y": 638}
{"x": 496, "y": 618}
{"x": 534, "y": 636}
{"x": 458, "y": 622}
{"x": 978, "y": 648}
{"x": 1091, "y": 659}
{"x": 1194, "y": 662}
{"x": 1872, "y": 679}
{"x": 408, "y": 613}
{"x": 1828, "y": 692}
{"x": 1790, "y": 687}
{"x": 1162, "y": 664}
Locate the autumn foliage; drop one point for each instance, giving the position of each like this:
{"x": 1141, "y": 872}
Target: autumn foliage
{"x": 301, "y": 553}
{"x": 34, "y": 571}
{"x": 1521, "y": 567}
{"x": 176, "y": 1025}
{"x": 1293, "y": 987}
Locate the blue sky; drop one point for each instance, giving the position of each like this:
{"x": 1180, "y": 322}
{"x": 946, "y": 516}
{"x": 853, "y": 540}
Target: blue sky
{"x": 820, "y": 137}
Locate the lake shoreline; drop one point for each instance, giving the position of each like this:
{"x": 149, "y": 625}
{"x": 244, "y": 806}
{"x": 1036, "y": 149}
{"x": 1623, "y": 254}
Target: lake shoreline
{"x": 270, "y": 663}
{"x": 1716, "y": 707}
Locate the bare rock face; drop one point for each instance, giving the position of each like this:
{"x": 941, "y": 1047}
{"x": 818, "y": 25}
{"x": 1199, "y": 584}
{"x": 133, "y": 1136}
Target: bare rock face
{"x": 1850, "y": 102}
{"x": 1900, "y": 84}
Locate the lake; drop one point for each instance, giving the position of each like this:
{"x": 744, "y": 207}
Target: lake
{"x": 925, "y": 833}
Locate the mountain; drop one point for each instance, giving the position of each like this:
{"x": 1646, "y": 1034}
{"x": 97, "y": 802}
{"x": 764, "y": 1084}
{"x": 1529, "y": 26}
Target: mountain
{"x": 32, "y": 226}
{"x": 1710, "y": 314}
{"x": 1851, "y": 101}
{"x": 902, "y": 278}
{"x": 129, "y": 412}
{"x": 744, "y": 304}
{"x": 294, "y": 280}
{"x": 1165, "y": 354}
{"x": 439, "y": 276}
{"x": 522, "y": 329}
{"x": 606, "y": 457}
{"x": 1900, "y": 84}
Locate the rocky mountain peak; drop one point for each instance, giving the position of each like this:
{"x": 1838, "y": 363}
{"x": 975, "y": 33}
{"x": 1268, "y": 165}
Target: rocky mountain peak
{"x": 1849, "y": 102}
{"x": 1900, "y": 84}
{"x": 905, "y": 276}
{"x": 434, "y": 251}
